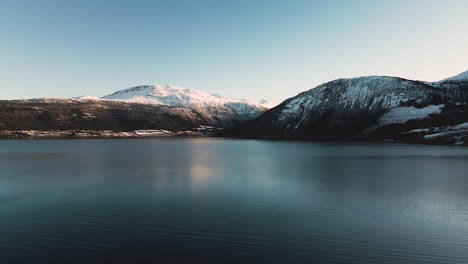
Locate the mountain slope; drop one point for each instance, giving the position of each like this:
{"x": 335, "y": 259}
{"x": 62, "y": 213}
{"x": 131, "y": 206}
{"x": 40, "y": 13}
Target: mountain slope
{"x": 172, "y": 109}
{"x": 219, "y": 110}
{"x": 86, "y": 114}
{"x": 375, "y": 107}
{"x": 460, "y": 77}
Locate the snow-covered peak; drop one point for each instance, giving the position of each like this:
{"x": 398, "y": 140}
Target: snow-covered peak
{"x": 176, "y": 96}
{"x": 156, "y": 94}
{"x": 86, "y": 98}
{"x": 267, "y": 104}
{"x": 460, "y": 77}
{"x": 213, "y": 107}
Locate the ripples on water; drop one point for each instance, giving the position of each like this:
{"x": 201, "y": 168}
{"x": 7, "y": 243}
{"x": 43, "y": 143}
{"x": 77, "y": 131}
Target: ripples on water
{"x": 231, "y": 201}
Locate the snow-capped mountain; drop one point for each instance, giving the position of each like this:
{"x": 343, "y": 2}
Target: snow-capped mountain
{"x": 219, "y": 109}
{"x": 153, "y": 108}
{"x": 265, "y": 103}
{"x": 460, "y": 77}
{"x": 373, "y": 106}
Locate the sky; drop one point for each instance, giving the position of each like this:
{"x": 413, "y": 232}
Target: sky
{"x": 251, "y": 49}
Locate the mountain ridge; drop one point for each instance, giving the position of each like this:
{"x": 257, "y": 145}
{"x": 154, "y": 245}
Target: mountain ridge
{"x": 172, "y": 110}
{"x": 223, "y": 111}
{"x": 360, "y": 108}
{"x": 459, "y": 77}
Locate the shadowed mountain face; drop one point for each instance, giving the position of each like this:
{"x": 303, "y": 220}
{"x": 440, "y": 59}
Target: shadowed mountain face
{"x": 71, "y": 114}
{"x": 367, "y": 108}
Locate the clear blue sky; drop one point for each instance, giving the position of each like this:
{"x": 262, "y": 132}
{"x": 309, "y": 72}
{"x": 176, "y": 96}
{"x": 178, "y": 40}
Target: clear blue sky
{"x": 247, "y": 48}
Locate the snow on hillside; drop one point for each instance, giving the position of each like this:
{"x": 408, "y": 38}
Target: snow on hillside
{"x": 401, "y": 115}
{"x": 461, "y": 126}
{"x": 362, "y": 93}
{"x": 87, "y": 98}
{"x": 267, "y": 104}
{"x": 460, "y": 77}
{"x": 216, "y": 108}
{"x": 177, "y": 96}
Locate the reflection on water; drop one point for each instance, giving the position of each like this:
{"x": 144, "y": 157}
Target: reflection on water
{"x": 176, "y": 200}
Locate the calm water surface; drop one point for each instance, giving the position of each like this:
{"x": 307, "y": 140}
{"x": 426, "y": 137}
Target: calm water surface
{"x": 202, "y": 200}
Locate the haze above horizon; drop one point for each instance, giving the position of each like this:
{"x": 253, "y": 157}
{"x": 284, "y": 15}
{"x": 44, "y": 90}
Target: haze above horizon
{"x": 243, "y": 49}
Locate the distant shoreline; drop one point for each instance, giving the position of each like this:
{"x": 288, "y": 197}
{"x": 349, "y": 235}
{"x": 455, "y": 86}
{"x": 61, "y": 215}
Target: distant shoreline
{"x": 88, "y": 134}
{"x": 109, "y": 134}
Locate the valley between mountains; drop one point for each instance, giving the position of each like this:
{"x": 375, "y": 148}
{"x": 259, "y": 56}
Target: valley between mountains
{"x": 376, "y": 108}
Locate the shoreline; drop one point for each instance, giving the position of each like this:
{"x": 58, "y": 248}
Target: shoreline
{"x": 101, "y": 134}
{"x": 138, "y": 134}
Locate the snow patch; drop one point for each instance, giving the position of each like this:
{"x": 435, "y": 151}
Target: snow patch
{"x": 402, "y": 115}
{"x": 88, "y": 98}
{"x": 443, "y": 134}
{"x": 419, "y": 130}
{"x": 461, "y": 126}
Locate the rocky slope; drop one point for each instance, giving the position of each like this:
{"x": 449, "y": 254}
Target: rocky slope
{"x": 73, "y": 114}
{"x": 375, "y": 107}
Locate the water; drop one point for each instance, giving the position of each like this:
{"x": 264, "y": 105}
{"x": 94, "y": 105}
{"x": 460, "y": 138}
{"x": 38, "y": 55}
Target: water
{"x": 202, "y": 200}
